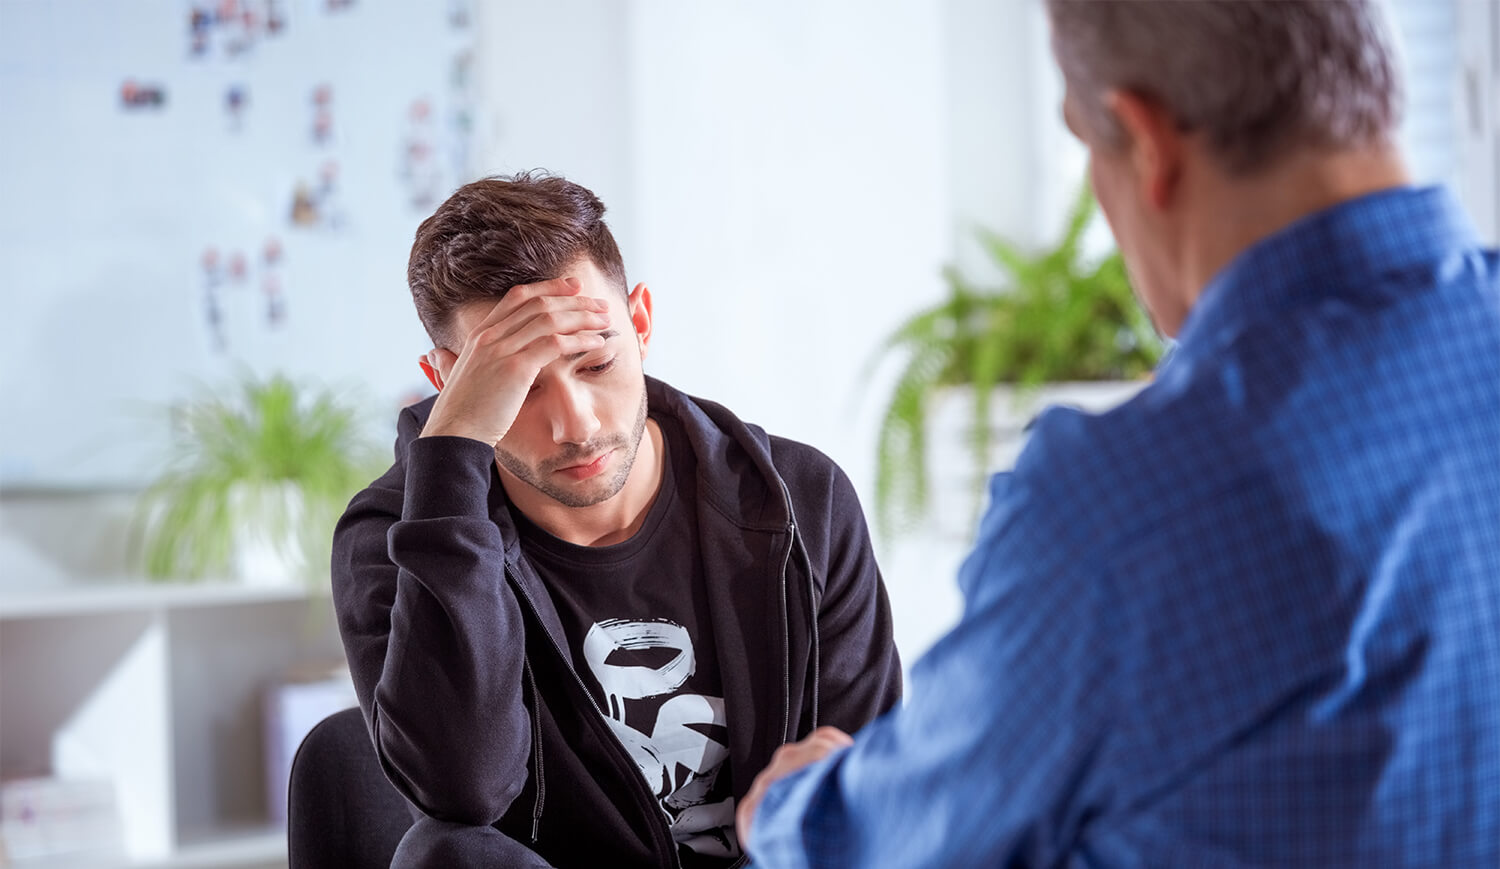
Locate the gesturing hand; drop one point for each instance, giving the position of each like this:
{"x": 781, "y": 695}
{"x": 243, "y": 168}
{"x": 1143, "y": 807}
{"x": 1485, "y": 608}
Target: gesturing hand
{"x": 483, "y": 387}
{"x": 788, "y": 759}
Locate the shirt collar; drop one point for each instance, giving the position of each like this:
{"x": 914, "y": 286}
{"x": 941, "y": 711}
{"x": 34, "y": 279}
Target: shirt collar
{"x": 1341, "y": 250}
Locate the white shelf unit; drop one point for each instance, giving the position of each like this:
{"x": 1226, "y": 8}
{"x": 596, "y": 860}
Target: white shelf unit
{"x": 160, "y": 686}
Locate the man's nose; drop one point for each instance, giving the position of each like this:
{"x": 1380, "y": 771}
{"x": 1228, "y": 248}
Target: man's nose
{"x": 573, "y": 417}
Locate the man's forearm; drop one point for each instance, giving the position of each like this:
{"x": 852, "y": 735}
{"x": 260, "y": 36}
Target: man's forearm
{"x": 435, "y": 636}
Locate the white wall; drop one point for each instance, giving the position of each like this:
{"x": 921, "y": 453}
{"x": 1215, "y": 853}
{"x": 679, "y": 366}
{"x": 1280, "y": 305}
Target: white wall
{"x": 1478, "y": 112}
{"x": 1013, "y": 166}
{"x": 1426, "y": 33}
{"x": 790, "y": 177}
{"x": 793, "y": 183}
{"x": 553, "y": 89}
{"x": 777, "y": 173}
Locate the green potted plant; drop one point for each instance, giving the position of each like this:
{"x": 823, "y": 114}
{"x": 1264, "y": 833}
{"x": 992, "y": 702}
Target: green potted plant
{"x": 1059, "y": 318}
{"x": 258, "y": 479}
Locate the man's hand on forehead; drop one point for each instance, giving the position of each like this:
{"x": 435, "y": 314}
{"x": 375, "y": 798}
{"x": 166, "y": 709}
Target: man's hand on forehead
{"x": 558, "y": 295}
{"x": 484, "y": 385}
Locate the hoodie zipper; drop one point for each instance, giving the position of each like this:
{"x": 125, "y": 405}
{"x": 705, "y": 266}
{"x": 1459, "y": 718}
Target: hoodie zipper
{"x": 786, "y": 651}
{"x": 664, "y": 842}
{"x": 795, "y": 541}
{"x": 786, "y": 640}
{"x": 536, "y": 741}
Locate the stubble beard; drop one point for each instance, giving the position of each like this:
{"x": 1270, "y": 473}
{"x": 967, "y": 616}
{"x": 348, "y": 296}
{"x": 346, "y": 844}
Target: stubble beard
{"x": 539, "y": 477}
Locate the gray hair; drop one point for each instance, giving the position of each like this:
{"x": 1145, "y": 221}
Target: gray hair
{"x": 1255, "y": 77}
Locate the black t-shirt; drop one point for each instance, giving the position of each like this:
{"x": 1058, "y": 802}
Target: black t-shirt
{"x": 637, "y": 619}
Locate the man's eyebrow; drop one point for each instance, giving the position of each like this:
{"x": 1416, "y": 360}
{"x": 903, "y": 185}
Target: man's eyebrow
{"x": 606, "y": 335}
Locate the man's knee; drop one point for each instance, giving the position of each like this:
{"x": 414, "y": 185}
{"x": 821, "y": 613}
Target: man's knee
{"x": 432, "y": 844}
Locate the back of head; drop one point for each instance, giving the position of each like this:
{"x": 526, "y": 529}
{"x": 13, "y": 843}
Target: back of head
{"x": 1256, "y": 78}
{"x": 496, "y": 233}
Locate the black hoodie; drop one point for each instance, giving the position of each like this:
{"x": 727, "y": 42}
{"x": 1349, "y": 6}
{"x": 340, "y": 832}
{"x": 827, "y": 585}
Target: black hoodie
{"x": 466, "y": 679}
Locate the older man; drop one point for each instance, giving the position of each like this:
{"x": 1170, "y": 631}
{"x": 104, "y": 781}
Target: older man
{"x": 1252, "y": 618}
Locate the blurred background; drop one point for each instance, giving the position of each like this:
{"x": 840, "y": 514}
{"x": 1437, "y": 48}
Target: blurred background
{"x": 205, "y": 214}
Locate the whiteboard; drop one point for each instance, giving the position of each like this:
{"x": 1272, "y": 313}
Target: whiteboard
{"x": 153, "y": 238}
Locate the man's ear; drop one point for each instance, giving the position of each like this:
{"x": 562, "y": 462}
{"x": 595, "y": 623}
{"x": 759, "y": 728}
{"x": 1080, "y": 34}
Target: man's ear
{"x": 425, "y": 363}
{"x": 437, "y": 364}
{"x": 1155, "y": 144}
{"x": 639, "y": 303}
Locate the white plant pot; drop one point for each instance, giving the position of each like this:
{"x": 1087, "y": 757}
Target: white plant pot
{"x": 950, "y": 456}
{"x": 920, "y": 566}
{"x": 267, "y": 548}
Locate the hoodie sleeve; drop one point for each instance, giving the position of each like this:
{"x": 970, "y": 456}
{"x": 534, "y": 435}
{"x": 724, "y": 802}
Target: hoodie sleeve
{"x": 859, "y": 671}
{"x": 433, "y": 633}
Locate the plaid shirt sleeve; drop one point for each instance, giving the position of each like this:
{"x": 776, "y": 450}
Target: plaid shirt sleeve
{"x": 986, "y": 698}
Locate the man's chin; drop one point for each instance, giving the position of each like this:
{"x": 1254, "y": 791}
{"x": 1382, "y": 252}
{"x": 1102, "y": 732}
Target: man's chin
{"x": 579, "y": 495}
{"x": 583, "y": 493}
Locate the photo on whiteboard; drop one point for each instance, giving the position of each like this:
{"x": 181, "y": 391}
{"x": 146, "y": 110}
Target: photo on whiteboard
{"x": 419, "y": 170}
{"x": 460, "y": 14}
{"x": 236, "y": 101}
{"x": 137, "y": 96}
{"x": 319, "y": 205}
{"x": 321, "y": 126}
{"x": 232, "y": 28}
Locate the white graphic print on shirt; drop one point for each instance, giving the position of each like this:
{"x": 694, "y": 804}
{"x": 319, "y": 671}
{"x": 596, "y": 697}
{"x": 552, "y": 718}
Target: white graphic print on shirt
{"x": 679, "y": 762}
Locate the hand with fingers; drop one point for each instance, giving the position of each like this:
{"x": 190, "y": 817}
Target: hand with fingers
{"x": 788, "y": 759}
{"x": 482, "y": 387}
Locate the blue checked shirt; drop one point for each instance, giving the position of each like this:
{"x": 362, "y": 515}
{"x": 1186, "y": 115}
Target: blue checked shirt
{"x": 1251, "y": 618}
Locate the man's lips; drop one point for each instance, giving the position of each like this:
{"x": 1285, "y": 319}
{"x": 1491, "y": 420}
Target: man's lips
{"x": 588, "y": 469}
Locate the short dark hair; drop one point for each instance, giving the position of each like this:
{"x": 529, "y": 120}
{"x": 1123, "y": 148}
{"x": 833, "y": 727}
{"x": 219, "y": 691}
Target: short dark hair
{"x": 495, "y": 233}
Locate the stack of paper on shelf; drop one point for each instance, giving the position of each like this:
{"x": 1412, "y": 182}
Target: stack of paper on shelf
{"x": 292, "y": 708}
{"x": 53, "y": 818}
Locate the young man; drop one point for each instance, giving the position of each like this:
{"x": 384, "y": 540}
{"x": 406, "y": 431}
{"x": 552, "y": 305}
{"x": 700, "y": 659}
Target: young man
{"x": 583, "y": 609}
{"x": 1252, "y": 618}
